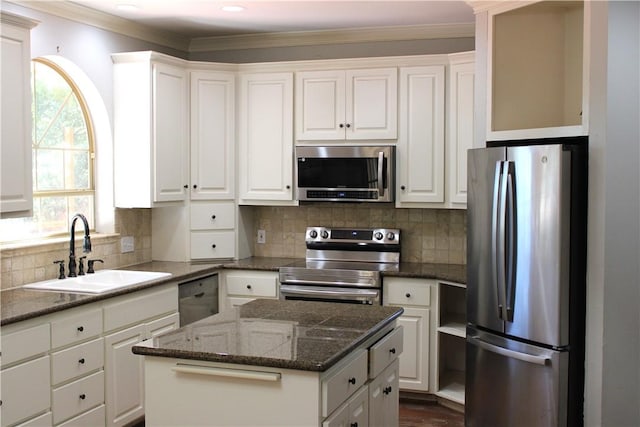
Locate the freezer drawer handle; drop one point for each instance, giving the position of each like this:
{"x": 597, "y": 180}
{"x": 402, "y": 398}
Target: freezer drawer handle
{"x": 538, "y": 360}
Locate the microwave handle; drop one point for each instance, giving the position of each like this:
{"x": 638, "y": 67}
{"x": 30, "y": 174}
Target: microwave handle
{"x": 380, "y": 171}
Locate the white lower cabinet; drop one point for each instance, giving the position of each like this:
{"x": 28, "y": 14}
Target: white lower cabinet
{"x": 414, "y": 295}
{"x": 75, "y": 367}
{"x": 354, "y": 412}
{"x": 383, "y": 397}
{"x": 238, "y": 287}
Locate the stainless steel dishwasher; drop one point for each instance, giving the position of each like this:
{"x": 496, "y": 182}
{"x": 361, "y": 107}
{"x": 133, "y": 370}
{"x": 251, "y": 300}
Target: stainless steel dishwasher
{"x": 198, "y": 299}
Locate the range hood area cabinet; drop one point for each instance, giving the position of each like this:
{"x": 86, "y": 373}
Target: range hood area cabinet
{"x": 150, "y": 130}
{"x": 537, "y": 68}
{"x": 16, "y": 193}
{"x": 347, "y": 104}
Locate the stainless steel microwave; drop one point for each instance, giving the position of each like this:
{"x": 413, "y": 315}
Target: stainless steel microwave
{"x": 339, "y": 173}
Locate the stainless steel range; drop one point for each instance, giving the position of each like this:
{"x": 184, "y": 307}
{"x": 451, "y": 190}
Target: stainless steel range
{"x": 342, "y": 265}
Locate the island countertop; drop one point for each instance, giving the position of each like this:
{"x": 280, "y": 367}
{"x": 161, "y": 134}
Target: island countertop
{"x": 301, "y": 335}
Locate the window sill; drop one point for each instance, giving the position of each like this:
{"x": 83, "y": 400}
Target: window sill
{"x": 38, "y": 245}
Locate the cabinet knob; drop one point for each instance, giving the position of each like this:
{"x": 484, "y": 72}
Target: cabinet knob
{"x": 402, "y": 187}
{"x": 392, "y": 351}
{"x": 248, "y": 286}
{"x": 387, "y": 390}
{"x": 341, "y": 125}
{"x": 81, "y": 361}
{"x": 80, "y": 328}
{"x": 213, "y": 246}
{"x": 185, "y": 186}
{"x": 408, "y": 295}
{"x": 195, "y": 186}
{"x": 82, "y": 396}
{"x": 288, "y": 187}
{"x": 348, "y": 125}
{"x": 213, "y": 217}
{"x": 353, "y": 425}
{"x": 352, "y": 380}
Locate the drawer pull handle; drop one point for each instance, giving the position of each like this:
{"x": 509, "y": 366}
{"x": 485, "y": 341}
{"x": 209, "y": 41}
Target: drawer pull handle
{"x": 81, "y": 361}
{"x": 392, "y": 351}
{"x": 82, "y": 396}
{"x": 80, "y": 328}
{"x": 200, "y": 295}
{"x": 248, "y": 286}
{"x": 387, "y": 390}
{"x": 352, "y": 380}
{"x": 408, "y": 295}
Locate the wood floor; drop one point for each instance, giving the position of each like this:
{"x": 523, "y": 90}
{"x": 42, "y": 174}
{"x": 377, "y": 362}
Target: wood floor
{"x": 428, "y": 414}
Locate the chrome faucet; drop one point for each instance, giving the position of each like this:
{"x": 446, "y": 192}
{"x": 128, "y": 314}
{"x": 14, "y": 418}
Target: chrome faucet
{"x": 86, "y": 247}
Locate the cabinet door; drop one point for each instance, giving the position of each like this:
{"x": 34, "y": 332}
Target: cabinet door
{"x": 162, "y": 325}
{"x": 383, "y": 398}
{"x": 170, "y": 133}
{"x": 25, "y": 390}
{"x": 460, "y": 124}
{"x": 414, "y": 360}
{"x": 266, "y": 138}
{"x": 15, "y": 168}
{"x": 372, "y": 104}
{"x": 320, "y": 105}
{"x": 123, "y": 376}
{"x": 212, "y": 135}
{"x": 421, "y": 136}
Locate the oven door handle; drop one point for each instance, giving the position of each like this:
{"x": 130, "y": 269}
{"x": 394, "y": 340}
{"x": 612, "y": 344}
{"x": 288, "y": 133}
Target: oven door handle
{"x": 315, "y": 282}
{"x": 311, "y": 291}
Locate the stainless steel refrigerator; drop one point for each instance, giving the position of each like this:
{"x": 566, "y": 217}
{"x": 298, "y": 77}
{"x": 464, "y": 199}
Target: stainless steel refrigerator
{"x": 526, "y": 273}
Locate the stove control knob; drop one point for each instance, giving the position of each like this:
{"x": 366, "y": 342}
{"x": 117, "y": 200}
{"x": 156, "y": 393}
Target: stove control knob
{"x": 378, "y": 235}
{"x": 391, "y": 236}
{"x": 313, "y": 234}
{"x": 325, "y": 234}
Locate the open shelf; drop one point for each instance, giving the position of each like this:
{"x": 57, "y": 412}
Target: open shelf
{"x": 452, "y": 386}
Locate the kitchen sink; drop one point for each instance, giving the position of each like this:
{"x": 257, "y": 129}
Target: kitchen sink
{"x": 99, "y": 282}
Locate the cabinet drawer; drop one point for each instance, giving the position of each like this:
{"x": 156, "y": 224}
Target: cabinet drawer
{"x": 42, "y": 420}
{"x": 385, "y": 351}
{"x": 257, "y": 284}
{"x": 78, "y": 396}
{"x": 337, "y": 388}
{"x": 213, "y": 244}
{"x": 25, "y": 343}
{"x": 94, "y": 417}
{"x": 407, "y": 292}
{"x": 212, "y": 216}
{"x": 25, "y": 390}
{"x": 75, "y": 328}
{"x": 76, "y": 361}
{"x": 135, "y": 309}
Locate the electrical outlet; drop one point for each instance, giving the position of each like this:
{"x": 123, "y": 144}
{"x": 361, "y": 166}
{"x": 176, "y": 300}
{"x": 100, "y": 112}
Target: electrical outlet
{"x": 262, "y": 236}
{"x": 126, "y": 244}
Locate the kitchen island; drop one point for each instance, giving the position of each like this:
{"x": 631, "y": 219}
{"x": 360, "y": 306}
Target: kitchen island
{"x": 270, "y": 362}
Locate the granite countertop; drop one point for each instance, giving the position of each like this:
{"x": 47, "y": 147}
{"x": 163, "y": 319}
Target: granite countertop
{"x": 21, "y": 304}
{"x": 301, "y": 335}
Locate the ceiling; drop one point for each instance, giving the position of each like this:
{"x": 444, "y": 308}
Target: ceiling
{"x": 205, "y": 18}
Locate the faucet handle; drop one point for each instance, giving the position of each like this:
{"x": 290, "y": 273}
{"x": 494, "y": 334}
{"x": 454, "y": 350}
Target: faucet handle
{"x": 81, "y": 266}
{"x": 90, "y": 263}
{"x": 61, "y": 272}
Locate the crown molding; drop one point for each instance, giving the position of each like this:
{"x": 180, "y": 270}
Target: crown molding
{"x": 309, "y": 38}
{"x": 105, "y": 21}
{"x": 17, "y": 20}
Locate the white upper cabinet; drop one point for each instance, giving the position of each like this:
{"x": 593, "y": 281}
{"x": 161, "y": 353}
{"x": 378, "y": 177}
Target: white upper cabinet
{"x": 536, "y": 75}
{"x": 150, "y": 129}
{"x": 16, "y": 188}
{"x": 460, "y": 125}
{"x": 266, "y": 138}
{"x": 212, "y": 135}
{"x": 351, "y": 104}
{"x": 421, "y": 137}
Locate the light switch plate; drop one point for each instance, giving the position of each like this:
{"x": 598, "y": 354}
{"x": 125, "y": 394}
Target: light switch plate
{"x": 126, "y": 244}
{"x": 262, "y": 236}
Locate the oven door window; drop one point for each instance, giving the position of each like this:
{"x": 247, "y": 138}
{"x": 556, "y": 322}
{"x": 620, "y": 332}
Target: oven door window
{"x": 340, "y": 172}
{"x": 330, "y": 294}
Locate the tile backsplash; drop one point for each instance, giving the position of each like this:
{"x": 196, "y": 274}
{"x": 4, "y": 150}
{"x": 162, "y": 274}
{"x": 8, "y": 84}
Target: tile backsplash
{"x": 23, "y": 264}
{"x": 427, "y": 235}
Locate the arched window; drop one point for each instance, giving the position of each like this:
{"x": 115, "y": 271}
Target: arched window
{"x": 62, "y": 154}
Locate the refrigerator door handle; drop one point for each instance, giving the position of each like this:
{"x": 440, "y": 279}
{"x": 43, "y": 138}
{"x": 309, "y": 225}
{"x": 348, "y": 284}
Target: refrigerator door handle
{"x": 524, "y": 357}
{"x": 498, "y": 236}
{"x": 511, "y": 239}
